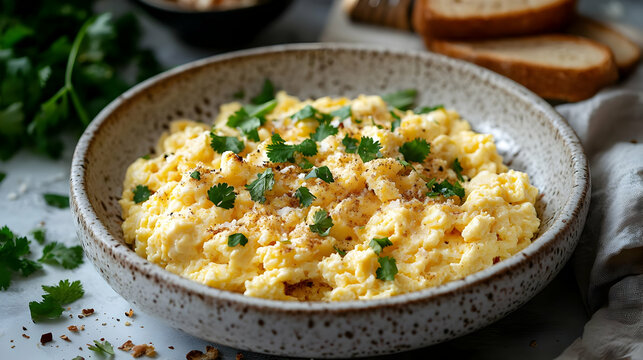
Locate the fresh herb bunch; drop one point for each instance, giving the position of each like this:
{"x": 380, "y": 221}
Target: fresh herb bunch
{"x": 60, "y": 63}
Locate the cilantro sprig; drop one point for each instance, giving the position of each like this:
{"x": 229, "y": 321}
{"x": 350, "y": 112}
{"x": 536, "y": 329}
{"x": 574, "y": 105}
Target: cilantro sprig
{"x": 369, "y": 149}
{"x": 305, "y": 197}
{"x": 58, "y": 254}
{"x": 322, "y": 222}
{"x": 13, "y": 257}
{"x": 51, "y": 305}
{"x": 342, "y": 113}
{"x": 264, "y": 182}
{"x": 416, "y": 150}
{"x": 222, "y": 195}
{"x": 279, "y": 151}
{"x": 402, "y": 99}
{"x": 377, "y": 244}
{"x": 102, "y": 348}
{"x": 323, "y": 131}
{"x": 387, "y": 269}
{"x": 321, "y": 173}
{"x": 309, "y": 112}
{"x": 249, "y": 118}
{"x": 57, "y": 201}
{"x": 444, "y": 188}
{"x": 350, "y": 144}
{"x": 267, "y": 93}
{"x": 222, "y": 144}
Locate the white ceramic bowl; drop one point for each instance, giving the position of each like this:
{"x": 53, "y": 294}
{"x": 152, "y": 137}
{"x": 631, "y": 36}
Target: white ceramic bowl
{"x": 528, "y": 132}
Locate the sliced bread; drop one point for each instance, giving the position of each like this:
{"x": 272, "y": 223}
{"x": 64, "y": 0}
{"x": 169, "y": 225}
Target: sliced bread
{"x": 626, "y": 52}
{"x": 479, "y": 19}
{"x": 561, "y": 67}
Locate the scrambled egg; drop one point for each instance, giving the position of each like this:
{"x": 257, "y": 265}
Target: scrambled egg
{"x": 434, "y": 239}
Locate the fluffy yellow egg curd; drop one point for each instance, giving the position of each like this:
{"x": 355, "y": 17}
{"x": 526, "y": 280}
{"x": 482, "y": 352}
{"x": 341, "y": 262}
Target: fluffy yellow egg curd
{"x": 397, "y": 223}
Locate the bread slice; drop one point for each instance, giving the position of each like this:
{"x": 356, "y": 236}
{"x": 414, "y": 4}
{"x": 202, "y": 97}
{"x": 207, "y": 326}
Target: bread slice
{"x": 626, "y": 52}
{"x": 560, "y": 67}
{"x": 481, "y": 19}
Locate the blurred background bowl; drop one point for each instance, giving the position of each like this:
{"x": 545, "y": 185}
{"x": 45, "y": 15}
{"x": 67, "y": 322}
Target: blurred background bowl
{"x": 217, "y": 27}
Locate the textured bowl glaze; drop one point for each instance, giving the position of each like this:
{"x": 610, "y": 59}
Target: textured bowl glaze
{"x": 529, "y": 133}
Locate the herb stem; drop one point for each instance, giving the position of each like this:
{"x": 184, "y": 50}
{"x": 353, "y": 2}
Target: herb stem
{"x": 71, "y": 61}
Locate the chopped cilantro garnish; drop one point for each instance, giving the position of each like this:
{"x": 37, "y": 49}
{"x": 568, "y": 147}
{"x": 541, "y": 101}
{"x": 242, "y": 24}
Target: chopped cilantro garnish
{"x": 59, "y": 254}
{"x": 405, "y": 163}
{"x": 265, "y": 181}
{"x": 402, "y": 99}
{"x": 396, "y": 122}
{"x": 323, "y": 131}
{"x": 267, "y": 93}
{"x": 51, "y": 306}
{"x": 377, "y": 244}
{"x": 341, "y": 252}
{"x": 13, "y": 257}
{"x": 102, "y": 348}
{"x": 415, "y": 150}
{"x": 427, "y": 109}
{"x": 222, "y": 195}
{"x": 350, "y": 144}
{"x": 250, "y": 117}
{"x": 278, "y": 151}
{"x": 55, "y": 200}
{"x": 369, "y": 149}
{"x": 237, "y": 239}
{"x": 322, "y": 173}
{"x": 387, "y": 269}
{"x": 309, "y": 112}
{"x": 305, "y": 164}
{"x": 141, "y": 193}
{"x": 343, "y": 112}
{"x": 239, "y": 95}
{"x": 304, "y": 196}
{"x": 322, "y": 223}
{"x": 445, "y": 188}
{"x": 196, "y": 175}
{"x": 145, "y": 157}
{"x": 39, "y": 235}
{"x": 458, "y": 169}
{"x": 222, "y": 144}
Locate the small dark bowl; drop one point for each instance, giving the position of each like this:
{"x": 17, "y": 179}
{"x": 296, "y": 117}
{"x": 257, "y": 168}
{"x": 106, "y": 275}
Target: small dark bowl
{"x": 229, "y": 27}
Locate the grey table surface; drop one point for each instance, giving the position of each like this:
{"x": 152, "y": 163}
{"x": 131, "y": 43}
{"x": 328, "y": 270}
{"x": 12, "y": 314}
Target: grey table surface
{"x": 541, "y": 329}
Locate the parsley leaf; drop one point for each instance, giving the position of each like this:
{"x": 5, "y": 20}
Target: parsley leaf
{"x": 196, "y": 175}
{"x": 59, "y": 254}
{"x": 304, "y": 196}
{"x": 369, "y": 149}
{"x": 265, "y": 181}
{"x": 102, "y": 348}
{"x": 322, "y": 173}
{"x": 13, "y": 257}
{"x": 39, "y": 235}
{"x": 387, "y": 269}
{"x": 341, "y": 252}
{"x": 267, "y": 93}
{"x": 237, "y": 239}
{"x": 323, "y": 131}
{"x": 415, "y": 150}
{"x": 427, "y": 109}
{"x": 222, "y": 195}
{"x": 278, "y": 151}
{"x": 458, "y": 169}
{"x": 343, "y": 112}
{"x": 305, "y": 164}
{"x": 402, "y": 99}
{"x": 322, "y": 223}
{"x": 350, "y": 144}
{"x": 445, "y": 188}
{"x": 2, "y": 176}
{"x": 377, "y": 244}
{"x": 396, "y": 122}
{"x": 55, "y": 200}
{"x": 141, "y": 193}
{"x": 51, "y": 306}
{"x": 222, "y": 144}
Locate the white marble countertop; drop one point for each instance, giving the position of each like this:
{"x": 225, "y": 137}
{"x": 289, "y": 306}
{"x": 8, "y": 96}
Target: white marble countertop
{"x": 539, "y": 330}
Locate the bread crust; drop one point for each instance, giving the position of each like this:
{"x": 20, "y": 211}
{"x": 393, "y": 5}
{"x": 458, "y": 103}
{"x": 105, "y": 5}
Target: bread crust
{"x": 549, "y": 18}
{"x": 547, "y": 81}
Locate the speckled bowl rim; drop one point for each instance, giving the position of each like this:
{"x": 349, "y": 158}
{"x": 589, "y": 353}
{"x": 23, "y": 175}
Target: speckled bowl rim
{"x": 98, "y": 232}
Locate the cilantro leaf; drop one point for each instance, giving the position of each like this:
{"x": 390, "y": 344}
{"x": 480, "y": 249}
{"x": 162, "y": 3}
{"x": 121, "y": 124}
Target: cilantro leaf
{"x": 141, "y": 193}
{"x": 222, "y": 195}
{"x": 56, "y": 296}
{"x": 305, "y": 164}
{"x": 341, "y": 252}
{"x": 102, "y": 348}
{"x": 396, "y": 122}
{"x": 445, "y": 188}
{"x": 13, "y": 257}
{"x": 59, "y": 254}
{"x": 322, "y": 173}
{"x": 369, "y": 149}
{"x": 249, "y": 118}
{"x": 260, "y": 110}
{"x": 278, "y": 151}
{"x": 237, "y": 239}
{"x": 343, "y": 112}
{"x": 196, "y": 175}
{"x": 415, "y": 150}
{"x": 322, "y": 223}
{"x": 2, "y": 176}
{"x": 350, "y": 144}
{"x": 222, "y": 144}
{"x": 307, "y": 112}
{"x": 48, "y": 308}
{"x": 377, "y": 244}
{"x": 323, "y": 131}
{"x": 427, "y": 109}
{"x": 387, "y": 269}
{"x": 267, "y": 93}
{"x": 55, "y": 200}
{"x": 458, "y": 169}
{"x": 402, "y": 99}
{"x": 39, "y": 235}
{"x": 304, "y": 196}
{"x": 265, "y": 181}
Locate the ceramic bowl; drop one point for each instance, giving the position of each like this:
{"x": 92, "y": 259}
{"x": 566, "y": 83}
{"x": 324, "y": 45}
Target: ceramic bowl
{"x": 528, "y": 132}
